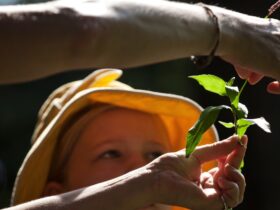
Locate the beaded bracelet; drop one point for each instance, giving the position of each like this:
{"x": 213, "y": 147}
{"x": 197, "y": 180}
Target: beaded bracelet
{"x": 203, "y": 61}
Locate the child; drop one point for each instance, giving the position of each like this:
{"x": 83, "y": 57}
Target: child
{"x": 97, "y": 129}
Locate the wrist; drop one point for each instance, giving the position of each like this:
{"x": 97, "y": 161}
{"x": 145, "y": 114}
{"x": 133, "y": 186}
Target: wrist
{"x": 133, "y": 190}
{"x": 141, "y": 188}
{"x": 203, "y": 61}
{"x": 202, "y": 30}
{"x": 227, "y": 24}
{"x": 234, "y": 27}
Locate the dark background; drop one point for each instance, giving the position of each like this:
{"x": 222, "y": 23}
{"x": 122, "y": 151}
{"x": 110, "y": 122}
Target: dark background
{"x": 20, "y": 103}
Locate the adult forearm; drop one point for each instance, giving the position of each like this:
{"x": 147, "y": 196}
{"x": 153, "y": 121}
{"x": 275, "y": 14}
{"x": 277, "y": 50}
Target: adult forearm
{"x": 133, "y": 33}
{"x": 133, "y": 190}
{"x": 35, "y": 41}
{"x": 43, "y": 39}
{"x": 53, "y": 37}
{"x": 130, "y": 191}
{"x": 249, "y": 42}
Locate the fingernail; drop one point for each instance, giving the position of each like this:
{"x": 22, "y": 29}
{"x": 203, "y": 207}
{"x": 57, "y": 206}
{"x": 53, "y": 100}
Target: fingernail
{"x": 244, "y": 141}
{"x": 235, "y": 138}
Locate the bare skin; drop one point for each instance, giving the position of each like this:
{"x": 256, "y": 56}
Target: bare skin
{"x": 253, "y": 78}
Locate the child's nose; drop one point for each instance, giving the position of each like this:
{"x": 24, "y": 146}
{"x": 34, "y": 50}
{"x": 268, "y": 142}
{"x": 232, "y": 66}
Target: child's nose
{"x": 135, "y": 161}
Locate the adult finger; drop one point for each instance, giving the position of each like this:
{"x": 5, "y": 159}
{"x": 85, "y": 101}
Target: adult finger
{"x": 274, "y": 87}
{"x": 235, "y": 158}
{"x": 215, "y": 151}
{"x": 221, "y": 165}
{"x": 230, "y": 192}
{"x": 235, "y": 175}
{"x": 242, "y": 72}
{"x": 206, "y": 180}
{"x": 249, "y": 75}
{"x": 213, "y": 171}
{"x": 254, "y": 78}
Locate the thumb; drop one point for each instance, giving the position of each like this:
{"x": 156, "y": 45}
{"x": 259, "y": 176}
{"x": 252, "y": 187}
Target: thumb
{"x": 236, "y": 157}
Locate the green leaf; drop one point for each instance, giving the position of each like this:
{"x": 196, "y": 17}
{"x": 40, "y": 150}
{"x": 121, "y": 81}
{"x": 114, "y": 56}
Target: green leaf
{"x": 227, "y": 125}
{"x": 233, "y": 94}
{"x": 242, "y": 111}
{"x": 242, "y": 126}
{"x": 211, "y": 83}
{"x": 206, "y": 119}
{"x": 262, "y": 123}
{"x": 238, "y": 98}
{"x": 231, "y": 81}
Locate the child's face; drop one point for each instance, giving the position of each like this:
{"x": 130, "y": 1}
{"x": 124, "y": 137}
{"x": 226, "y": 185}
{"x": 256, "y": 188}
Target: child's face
{"x": 113, "y": 143}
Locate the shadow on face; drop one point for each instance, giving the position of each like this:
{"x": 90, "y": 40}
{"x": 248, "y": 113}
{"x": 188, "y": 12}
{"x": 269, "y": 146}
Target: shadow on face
{"x": 112, "y": 143}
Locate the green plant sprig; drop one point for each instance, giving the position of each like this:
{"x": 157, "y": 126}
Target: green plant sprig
{"x": 239, "y": 111}
{"x": 210, "y": 114}
{"x": 273, "y": 8}
{"x": 208, "y": 117}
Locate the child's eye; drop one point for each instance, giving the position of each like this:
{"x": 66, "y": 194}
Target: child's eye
{"x": 153, "y": 155}
{"x": 110, "y": 154}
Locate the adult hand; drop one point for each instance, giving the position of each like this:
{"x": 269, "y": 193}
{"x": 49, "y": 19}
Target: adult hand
{"x": 227, "y": 177}
{"x": 170, "y": 179}
{"x": 253, "y": 78}
{"x": 180, "y": 181}
{"x": 232, "y": 182}
{"x": 251, "y": 44}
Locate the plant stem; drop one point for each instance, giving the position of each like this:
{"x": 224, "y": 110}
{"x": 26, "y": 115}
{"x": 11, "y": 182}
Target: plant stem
{"x": 234, "y": 114}
{"x": 233, "y": 110}
{"x": 235, "y": 122}
{"x": 243, "y": 86}
{"x": 273, "y": 8}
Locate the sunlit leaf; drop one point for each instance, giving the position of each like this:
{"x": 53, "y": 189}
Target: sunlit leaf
{"x": 242, "y": 126}
{"x": 262, "y": 123}
{"x": 231, "y": 81}
{"x": 243, "y": 111}
{"x": 211, "y": 83}
{"x": 206, "y": 119}
{"x": 233, "y": 94}
{"x": 227, "y": 125}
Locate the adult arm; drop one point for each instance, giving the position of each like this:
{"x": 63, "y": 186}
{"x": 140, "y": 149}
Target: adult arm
{"x": 43, "y": 39}
{"x": 253, "y": 78}
{"x": 253, "y": 46}
{"x": 168, "y": 180}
